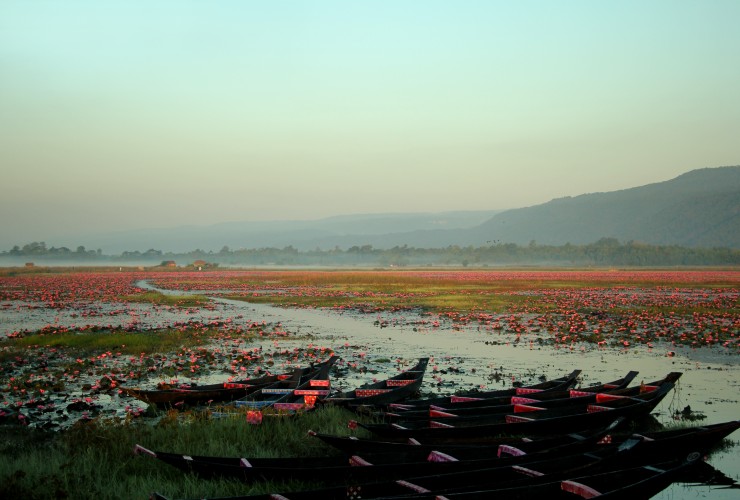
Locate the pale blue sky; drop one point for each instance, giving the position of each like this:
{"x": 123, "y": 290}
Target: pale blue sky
{"x": 130, "y": 114}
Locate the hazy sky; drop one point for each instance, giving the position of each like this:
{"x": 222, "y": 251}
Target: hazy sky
{"x": 131, "y": 114}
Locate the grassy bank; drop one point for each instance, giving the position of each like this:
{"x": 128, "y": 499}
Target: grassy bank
{"x": 95, "y": 459}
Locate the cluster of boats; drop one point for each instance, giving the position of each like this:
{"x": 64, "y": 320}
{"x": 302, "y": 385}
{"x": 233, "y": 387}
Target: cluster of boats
{"x": 298, "y": 390}
{"x": 548, "y": 440}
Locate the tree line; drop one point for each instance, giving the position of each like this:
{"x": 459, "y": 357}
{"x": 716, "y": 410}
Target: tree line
{"x": 604, "y": 252}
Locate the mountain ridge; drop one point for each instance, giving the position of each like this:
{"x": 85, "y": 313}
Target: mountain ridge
{"x": 699, "y": 208}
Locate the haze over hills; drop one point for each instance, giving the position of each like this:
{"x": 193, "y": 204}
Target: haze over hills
{"x": 340, "y": 230}
{"x": 700, "y": 208}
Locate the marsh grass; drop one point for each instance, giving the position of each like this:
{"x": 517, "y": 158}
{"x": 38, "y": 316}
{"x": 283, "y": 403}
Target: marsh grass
{"x": 430, "y": 299}
{"x": 95, "y": 343}
{"x": 440, "y": 291}
{"x": 158, "y": 298}
{"x": 124, "y": 342}
{"x": 95, "y": 459}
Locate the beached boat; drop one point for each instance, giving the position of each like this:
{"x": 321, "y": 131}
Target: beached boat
{"x": 514, "y": 403}
{"x": 698, "y": 438}
{"x": 470, "y": 406}
{"x": 643, "y": 481}
{"x": 221, "y": 392}
{"x": 636, "y": 482}
{"x": 442, "y": 474}
{"x": 557, "y": 384}
{"x": 292, "y": 395}
{"x": 528, "y": 419}
{"x": 384, "y": 392}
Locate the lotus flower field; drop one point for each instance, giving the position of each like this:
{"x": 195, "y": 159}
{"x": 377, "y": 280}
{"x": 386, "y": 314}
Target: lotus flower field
{"x": 70, "y": 339}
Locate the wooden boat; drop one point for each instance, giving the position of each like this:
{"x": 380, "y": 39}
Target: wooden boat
{"x": 468, "y": 476}
{"x": 636, "y": 482}
{"x": 472, "y": 406}
{"x": 384, "y": 392}
{"x": 292, "y": 395}
{"x": 513, "y": 404}
{"x": 528, "y": 419}
{"x": 223, "y": 392}
{"x": 412, "y": 449}
{"x": 701, "y": 438}
{"x": 364, "y": 473}
{"x": 557, "y": 384}
{"x": 644, "y": 481}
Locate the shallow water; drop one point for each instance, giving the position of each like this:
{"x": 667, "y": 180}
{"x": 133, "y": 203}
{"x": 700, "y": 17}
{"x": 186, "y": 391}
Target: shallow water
{"x": 464, "y": 357}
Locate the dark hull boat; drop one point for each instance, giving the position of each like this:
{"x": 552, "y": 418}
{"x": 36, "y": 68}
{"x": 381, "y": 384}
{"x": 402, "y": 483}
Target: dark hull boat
{"x": 520, "y": 404}
{"x": 529, "y": 420}
{"x": 214, "y": 393}
{"x": 558, "y": 384}
{"x": 696, "y": 438}
{"x": 391, "y": 390}
{"x": 474, "y": 406}
{"x": 630, "y": 483}
{"x": 292, "y": 395}
{"x": 361, "y": 470}
{"x": 412, "y": 449}
{"x": 512, "y": 476}
{"x": 627, "y": 452}
{"x": 626, "y": 483}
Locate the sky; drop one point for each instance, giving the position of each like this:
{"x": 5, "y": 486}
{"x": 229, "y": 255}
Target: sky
{"x": 120, "y": 115}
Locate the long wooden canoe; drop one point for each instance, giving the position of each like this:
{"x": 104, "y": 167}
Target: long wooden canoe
{"x": 384, "y": 392}
{"x": 557, "y": 384}
{"x": 643, "y": 481}
{"x": 528, "y": 419}
{"x": 471, "y": 405}
{"x": 457, "y": 476}
{"x": 514, "y": 403}
{"x": 698, "y": 438}
{"x": 294, "y": 394}
{"x": 214, "y": 393}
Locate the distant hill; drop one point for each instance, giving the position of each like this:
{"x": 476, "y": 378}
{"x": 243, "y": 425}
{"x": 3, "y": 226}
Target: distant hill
{"x": 380, "y": 230}
{"x": 698, "y": 209}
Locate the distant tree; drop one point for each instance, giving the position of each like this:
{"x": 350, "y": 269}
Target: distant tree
{"x": 35, "y": 248}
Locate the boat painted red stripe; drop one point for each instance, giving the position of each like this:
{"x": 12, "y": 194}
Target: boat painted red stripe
{"x": 516, "y": 419}
{"x": 438, "y": 456}
{"x": 526, "y": 390}
{"x": 462, "y": 399}
{"x": 439, "y": 425}
{"x": 413, "y": 487}
{"x": 435, "y": 413}
{"x": 510, "y": 450}
{"x": 354, "y": 460}
{"x": 526, "y": 408}
{"x": 602, "y": 398}
{"x": 310, "y": 392}
{"x": 518, "y": 400}
{"x": 526, "y": 471}
{"x": 579, "y": 394}
{"x": 579, "y": 489}
{"x": 398, "y": 383}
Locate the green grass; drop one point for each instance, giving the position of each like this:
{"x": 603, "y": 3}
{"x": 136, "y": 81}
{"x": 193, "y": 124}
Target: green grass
{"x": 167, "y": 300}
{"x": 95, "y": 343}
{"x": 96, "y": 459}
